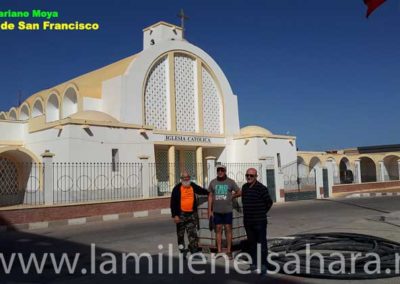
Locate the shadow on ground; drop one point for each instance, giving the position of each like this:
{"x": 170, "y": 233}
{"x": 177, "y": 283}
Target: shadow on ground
{"x": 18, "y": 245}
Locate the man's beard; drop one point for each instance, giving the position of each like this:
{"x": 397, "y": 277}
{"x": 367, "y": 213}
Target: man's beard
{"x": 186, "y": 183}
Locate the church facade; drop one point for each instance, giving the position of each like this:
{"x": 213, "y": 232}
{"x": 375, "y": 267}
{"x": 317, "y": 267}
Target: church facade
{"x": 169, "y": 104}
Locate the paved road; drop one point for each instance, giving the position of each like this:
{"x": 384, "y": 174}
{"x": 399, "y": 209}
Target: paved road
{"x": 145, "y": 235}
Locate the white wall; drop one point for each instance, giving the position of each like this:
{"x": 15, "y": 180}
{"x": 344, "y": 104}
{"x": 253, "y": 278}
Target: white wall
{"x": 74, "y": 144}
{"x": 112, "y": 98}
{"x": 160, "y": 33}
{"x": 255, "y": 148}
{"x": 92, "y": 104}
{"x": 11, "y": 131}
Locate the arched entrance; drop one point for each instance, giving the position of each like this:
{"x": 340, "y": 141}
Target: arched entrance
{"x": 20, "y": 176}
{"x": 368, "y": 170}
{"x": 314, "y": 163}
{"x": 346, "y": 174}
{"x": 302, "y": 167}
{"x": 391, "y": 167}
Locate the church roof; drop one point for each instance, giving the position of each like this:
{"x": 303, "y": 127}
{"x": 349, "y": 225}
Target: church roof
{"x": 89, "y": 84}
{"x": 162, "y": 23}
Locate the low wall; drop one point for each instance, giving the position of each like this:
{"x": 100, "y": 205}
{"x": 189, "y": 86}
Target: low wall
{"x": 53, "y": 213}
{"x": 365, "y": 186}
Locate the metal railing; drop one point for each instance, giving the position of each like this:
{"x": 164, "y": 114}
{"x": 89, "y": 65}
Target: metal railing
{"x": 298, "y": 176}
{"x": 68, "y": 183}
{"x": 237, "y": 171}
{"x": 85, "y": 182}
{"x": 34, "y": 191}
{"x": 160, "y": 182}
{"x": 164, "y": 176}
{"x": 20, "y": 183}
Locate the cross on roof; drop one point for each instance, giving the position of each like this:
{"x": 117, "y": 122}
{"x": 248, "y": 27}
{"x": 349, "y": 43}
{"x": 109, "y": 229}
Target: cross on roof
{"x": 183, "y": 17}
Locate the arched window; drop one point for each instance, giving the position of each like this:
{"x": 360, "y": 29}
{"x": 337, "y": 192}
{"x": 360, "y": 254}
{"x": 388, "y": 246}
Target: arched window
{"x": 52, "y": 108}
{"x": 37, "y": 109}
{"x": 182, "y": 93}
{"x": 70, "y": 102}
{"x": 25, "y": 112}
{"x": 12, "y": 115}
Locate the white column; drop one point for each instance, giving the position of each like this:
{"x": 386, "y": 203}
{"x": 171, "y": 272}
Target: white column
{"x": 381, "y": 171}
{"x": 263, "y": 161}
{"x": 398, "y": 167}
{"x": 199, "y": 165}
{"x": 146, "y": 177}
{"x": 357, "y": 171}
{"x": 319, "y": 181}
{"x": 280, "y": 185}
{"x": 172, "y": 165}
{"x": 47, "y": 157}
{"x": 331, "y": 169}
{"x": 211, "y": 170}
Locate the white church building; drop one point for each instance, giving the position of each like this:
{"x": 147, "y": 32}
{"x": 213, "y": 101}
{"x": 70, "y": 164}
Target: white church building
{"x": 169, "y": 105}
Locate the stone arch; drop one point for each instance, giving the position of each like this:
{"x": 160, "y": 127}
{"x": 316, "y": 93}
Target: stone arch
{"x": 52, "y": 108}
{"x": 302, "y": 168}
{"x": 70, "y": 102}
{"x": 38, "y": 107}
{"x": 21, "y": 175}
{"x": 391, "y": 164}
{"x": 314, "y": 162}
{"x": 24, "y": 112}
{"x": 12, "y": 114}
{"x": 3, "y": 116}
{"x": 368, "y": 169}
{"x": 300, "y": 160}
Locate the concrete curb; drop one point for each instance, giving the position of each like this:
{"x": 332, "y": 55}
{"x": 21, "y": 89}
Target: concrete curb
{"x": 372, "y": 194}
{"x": 84, "y": 220}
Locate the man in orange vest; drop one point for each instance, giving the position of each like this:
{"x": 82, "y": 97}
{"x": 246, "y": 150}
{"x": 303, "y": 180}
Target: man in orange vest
{"x": 184, "y": 212}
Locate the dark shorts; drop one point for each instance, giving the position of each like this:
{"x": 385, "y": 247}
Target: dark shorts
{"x": 223, "y": 218}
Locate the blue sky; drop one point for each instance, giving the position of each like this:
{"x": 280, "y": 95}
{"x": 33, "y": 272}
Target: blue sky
{"x": 315, "y": 69}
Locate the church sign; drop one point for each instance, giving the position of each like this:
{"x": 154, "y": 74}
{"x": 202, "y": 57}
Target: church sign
{"x": 181, "y": 138}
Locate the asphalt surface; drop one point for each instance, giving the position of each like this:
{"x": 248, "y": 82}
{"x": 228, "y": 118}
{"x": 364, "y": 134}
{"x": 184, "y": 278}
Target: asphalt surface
{"x": 114, "y": 238}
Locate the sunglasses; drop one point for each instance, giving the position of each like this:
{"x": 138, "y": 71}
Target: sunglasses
{"x": 220, "y": 170}
{"x": 251, "y": 176}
